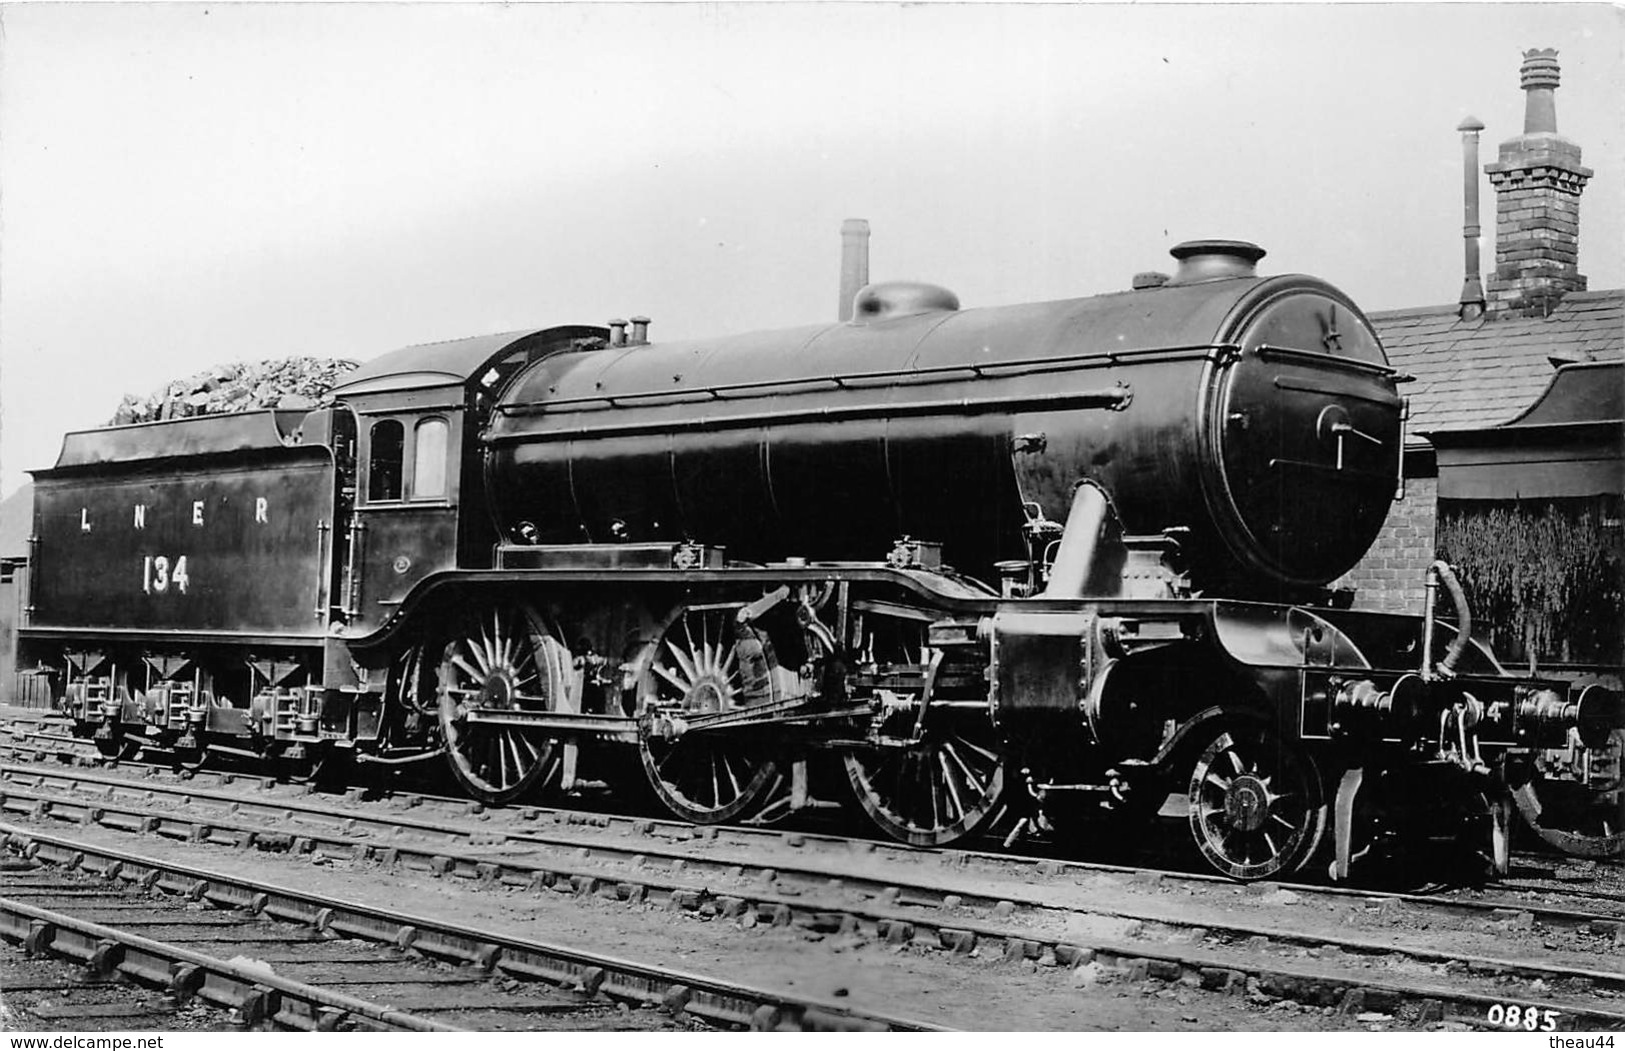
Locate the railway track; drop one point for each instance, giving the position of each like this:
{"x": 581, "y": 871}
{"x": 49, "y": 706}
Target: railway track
{"x": 38, "y": 736}
{"x": 1534, "y": 873}
{"x": 1196, "y": 931}
{"x": 1536, "y": 879}
{"x": 321, "y": 963}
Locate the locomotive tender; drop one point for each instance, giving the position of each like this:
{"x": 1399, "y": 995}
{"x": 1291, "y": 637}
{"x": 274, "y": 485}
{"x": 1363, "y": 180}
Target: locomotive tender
{"x": 1046, "y": 562}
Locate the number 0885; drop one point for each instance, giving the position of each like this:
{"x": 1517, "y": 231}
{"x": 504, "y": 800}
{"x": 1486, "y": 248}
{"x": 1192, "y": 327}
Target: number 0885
{"x": 1530, "y": 1019}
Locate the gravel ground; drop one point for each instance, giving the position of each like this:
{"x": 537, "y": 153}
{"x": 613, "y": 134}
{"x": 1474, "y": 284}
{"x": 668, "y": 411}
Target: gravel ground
{"x": 984, "y": 992}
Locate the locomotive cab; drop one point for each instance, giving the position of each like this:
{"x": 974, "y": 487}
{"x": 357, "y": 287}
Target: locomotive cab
{"x": 418, "y": 506}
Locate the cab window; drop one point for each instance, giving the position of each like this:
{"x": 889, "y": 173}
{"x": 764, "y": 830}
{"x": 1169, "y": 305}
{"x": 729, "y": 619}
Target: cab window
{"x": 429, "y": 459}
{"x": 387, "y": 443}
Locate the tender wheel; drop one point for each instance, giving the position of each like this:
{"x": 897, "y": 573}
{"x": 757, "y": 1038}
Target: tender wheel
{"x": 700, "y": 668}
{"x": 119, "y": 748}
{"x": 188, "y": 760}
{"x": 304, "y": 770}
{"x": 1257, "y": 808}
{"x": 1586, "y": 816}
{"x": 502, "y": 660}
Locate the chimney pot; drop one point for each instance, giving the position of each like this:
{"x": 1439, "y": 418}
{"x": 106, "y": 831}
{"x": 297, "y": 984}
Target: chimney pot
{"x": 640, "y": 330}
{"x": 1539, "y": 77}
{"x": 617, "y": 332}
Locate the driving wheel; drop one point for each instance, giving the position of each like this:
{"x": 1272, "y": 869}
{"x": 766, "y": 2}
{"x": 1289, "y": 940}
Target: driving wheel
{"x": 704, "y": 665}
{"x": 501, "y": 664}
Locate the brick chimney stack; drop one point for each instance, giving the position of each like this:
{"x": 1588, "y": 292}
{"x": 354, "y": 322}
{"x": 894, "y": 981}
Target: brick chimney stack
{"x": 1537, "y": 180}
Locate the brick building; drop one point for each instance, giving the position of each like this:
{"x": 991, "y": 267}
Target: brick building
{"x": 1483, "y": 362}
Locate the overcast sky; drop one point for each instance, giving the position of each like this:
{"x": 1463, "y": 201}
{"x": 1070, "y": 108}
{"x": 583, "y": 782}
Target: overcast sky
{"x": 184, "y": 185}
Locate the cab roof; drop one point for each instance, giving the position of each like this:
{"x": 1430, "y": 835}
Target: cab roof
{"x": 457, "y": 362}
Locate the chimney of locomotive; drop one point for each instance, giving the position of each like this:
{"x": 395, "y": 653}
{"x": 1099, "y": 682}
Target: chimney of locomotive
{"x": 1538, "y": 180}
{"x": 1214, "y": 261}
{"x": 1472, "y": 288}
{"x": 854, "y": 263}
{"x": 640, "y": 331}
{"x": 617, "y": 332}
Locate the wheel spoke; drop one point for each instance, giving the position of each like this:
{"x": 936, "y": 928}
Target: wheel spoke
{"x": 733, "y": 781}
{"x": 508, "y": 757}
{"x": 928, "y": 784}
{"x": 948, "y": 780}
{"x": 684, "y": 664}
{"x": 499, "y": 641}
{"x": 468, "y": 670}
{"x": 975, "y": 782}
{"x": 991, "y": 756}
{"x": 676, "y": 683}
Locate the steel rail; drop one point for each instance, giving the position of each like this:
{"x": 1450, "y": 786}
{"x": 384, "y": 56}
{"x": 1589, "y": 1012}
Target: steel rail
{"x": 721, "y": 1001}
{"x": 778, "y": 904}
{"x": 346, "y": 824}
{"x": 1020, "y": 865}
{"x": 256, "y": 995}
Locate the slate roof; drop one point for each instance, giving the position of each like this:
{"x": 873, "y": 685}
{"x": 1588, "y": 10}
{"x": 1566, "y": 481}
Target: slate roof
{"x": 1472, "y": 374}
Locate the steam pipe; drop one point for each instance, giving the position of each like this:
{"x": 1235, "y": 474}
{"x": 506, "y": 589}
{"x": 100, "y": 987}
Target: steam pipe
{"x": 1079, "y": 542}
{"x": 1441, "y": 571}
{"x": 1472, "y": 288}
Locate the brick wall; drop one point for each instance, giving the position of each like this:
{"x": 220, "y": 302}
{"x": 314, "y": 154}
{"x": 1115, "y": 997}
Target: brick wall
{"x": 1391, "y": 575}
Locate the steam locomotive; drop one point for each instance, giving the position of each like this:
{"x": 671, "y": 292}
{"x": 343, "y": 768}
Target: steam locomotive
{"x": 1030, "y": 566}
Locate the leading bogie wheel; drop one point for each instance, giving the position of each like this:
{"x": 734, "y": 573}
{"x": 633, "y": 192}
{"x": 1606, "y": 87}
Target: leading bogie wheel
{"x": 1583, "y": 814}
{"x": 1257, "y": 805}
{"x": 704, "y": 665}
{"x": 500, "y": 660}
